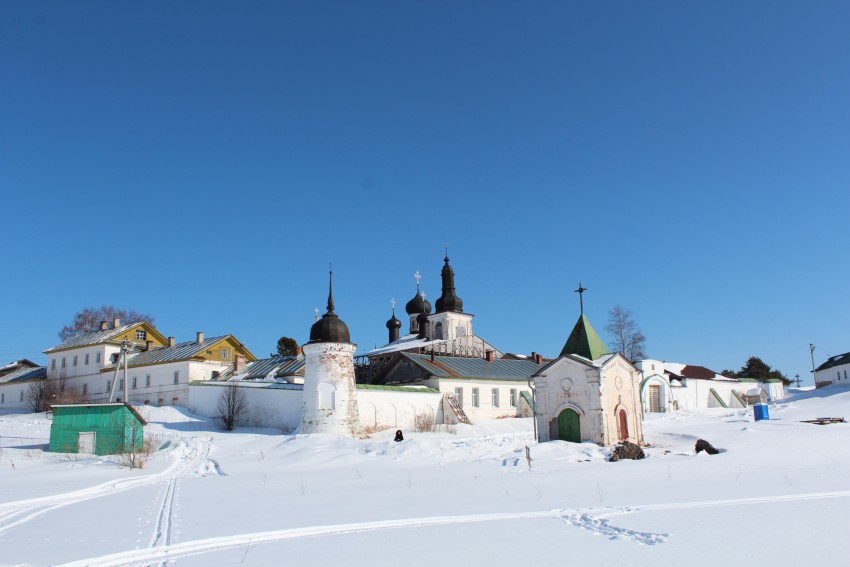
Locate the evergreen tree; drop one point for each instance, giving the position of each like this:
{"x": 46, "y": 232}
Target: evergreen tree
{"x": 758, "y": 369}
{"x": 286, "y": 346}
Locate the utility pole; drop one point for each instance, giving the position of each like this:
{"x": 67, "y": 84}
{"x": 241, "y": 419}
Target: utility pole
{"x": 797, "y": 379}
{"x": 812, "y": 354}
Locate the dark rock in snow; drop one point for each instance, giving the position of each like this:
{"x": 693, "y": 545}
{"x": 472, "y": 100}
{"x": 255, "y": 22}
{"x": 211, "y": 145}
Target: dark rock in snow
{"x": 627, "y": 450}
{"x": 703, "y": 445}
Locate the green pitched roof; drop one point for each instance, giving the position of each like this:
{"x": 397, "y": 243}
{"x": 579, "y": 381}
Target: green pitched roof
{"x": 584, "y": 341}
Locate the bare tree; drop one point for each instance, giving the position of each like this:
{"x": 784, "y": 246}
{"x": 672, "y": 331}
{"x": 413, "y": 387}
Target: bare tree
{"x": 232, "y": 405}
{"x": 53, "y": 390}
{"x": 625, "y": 334}
{"x": 89, "y": 319}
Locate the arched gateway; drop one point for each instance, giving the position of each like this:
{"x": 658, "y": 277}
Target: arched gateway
{"x": 568, "y": 426}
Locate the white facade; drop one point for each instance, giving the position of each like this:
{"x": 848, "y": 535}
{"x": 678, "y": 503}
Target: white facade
{"x": 13, "y": 396}
{"x": 661, "y": 392}
{"x": 603, "y": 394}
{"x": 838, "y": 371}
{"x": 330, "y": 392}
{"x": 449, "y": 325}
{"x": 83, "y": 361}
{"x": 485, "y": 399}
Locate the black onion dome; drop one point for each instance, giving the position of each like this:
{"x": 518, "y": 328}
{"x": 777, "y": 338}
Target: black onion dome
{"x": 330, "y": 328}
{"x": 418, "y": 304}
{"x": 449, "y": 301}
{"x": 393, "y": 323}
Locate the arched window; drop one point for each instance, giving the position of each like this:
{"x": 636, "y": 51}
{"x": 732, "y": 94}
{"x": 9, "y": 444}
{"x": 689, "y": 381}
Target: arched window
{"x": 438, "y": 331}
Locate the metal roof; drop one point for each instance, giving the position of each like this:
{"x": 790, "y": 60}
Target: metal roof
{"x": 25, "y": 373}
{"x": 833, "y": 361}
{"x": 271, "y": 368}
{"x": 92, "y": 337}
{"x": 180, "y": 351}
{"x": 459, "y": 367}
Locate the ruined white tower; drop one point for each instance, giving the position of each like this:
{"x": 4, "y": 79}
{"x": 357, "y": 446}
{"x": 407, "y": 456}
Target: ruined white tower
{"x": 330, "y": 391}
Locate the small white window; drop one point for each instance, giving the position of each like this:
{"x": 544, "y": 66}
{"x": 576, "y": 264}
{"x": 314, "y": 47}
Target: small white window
{"x": 85, "y": 389}
{"x": 224, "y": 353}
{"x": 53, "y": 364}
{"x": 141, "y": 335}
{"x": 2, "y": 398}
{"x": 97, "y": 358}
{"x": 63, "y": 363}
{"x": 121, "y": 384}
{"x": 75, "y": 360}
{"x": 176, "y": 376}
{"x": 134, "y": 383}
{"x": 108, "y": 385}
{"x": 86, "y": 359}
{"x": 513, "y": 397}
{"x": 148, "y": 381}
{"x": 459, "y": 396}
{"x": 494, "y": 397}
{"x": 22, "y": 396}
{"x": 476, "y": 401}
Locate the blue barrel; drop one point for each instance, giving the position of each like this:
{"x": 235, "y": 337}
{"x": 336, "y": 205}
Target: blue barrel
{"x": 760, "y": 412}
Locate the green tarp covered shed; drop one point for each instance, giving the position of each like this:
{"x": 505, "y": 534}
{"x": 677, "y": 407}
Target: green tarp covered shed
{"x": 102, "y": 429}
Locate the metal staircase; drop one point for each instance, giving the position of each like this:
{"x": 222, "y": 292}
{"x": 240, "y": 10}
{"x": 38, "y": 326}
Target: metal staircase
{"x": 458, "y": 411}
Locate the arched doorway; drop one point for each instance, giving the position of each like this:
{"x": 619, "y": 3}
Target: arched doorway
{"x": 568, "y": 426}
{"x": 624, "y": 425}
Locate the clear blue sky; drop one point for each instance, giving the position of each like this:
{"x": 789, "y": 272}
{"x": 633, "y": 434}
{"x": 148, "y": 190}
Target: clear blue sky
{"x": 205, "y": 161}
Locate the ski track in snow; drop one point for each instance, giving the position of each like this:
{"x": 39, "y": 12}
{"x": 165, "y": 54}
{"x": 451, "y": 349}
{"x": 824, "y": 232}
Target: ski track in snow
{"x": 594, "y": 520}
{"x": 190, "y": 458}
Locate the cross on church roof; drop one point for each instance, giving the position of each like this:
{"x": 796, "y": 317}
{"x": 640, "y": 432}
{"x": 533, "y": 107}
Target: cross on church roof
{"x": 317, "y": 313}
{"x": 580, "y": 291}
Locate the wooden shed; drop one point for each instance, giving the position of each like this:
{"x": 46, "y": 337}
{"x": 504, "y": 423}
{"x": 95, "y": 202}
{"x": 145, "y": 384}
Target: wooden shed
{"x": 100, "y": 429}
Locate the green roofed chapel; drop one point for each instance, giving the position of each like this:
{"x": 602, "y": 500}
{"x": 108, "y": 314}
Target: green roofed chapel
{"x": 584, "y": 341}
{"x": 587, "y": 393}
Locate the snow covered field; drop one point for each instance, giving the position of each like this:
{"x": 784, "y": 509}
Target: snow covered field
{"x": 778, "y": 493}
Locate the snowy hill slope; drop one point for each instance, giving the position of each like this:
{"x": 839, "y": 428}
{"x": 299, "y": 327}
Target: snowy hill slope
{"x": 777, "y": 493}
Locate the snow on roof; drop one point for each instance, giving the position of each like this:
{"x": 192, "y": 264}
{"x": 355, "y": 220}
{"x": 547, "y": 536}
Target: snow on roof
{"x": 406, "y": 342}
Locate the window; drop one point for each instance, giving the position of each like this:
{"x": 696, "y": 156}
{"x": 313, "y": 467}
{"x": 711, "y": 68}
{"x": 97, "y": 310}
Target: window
{"x": 513, "y": 397}
{"x": 459, "y": 396}
{"x": 97, "y": 358}
{"x": 438, "y": 331}
{"x": 85, "y": 389}
{"x": 2, "y": 398}
{"x": 114, "y": 357}
{"x": 176, "y": 376}
{"x": 75, "y": 360}
{"x": 121, "y": 384}
{"x": 53, "y": 364}
{"x": 148, "y": 381}
{"x": 224, "y": 353}
{"x": 845, "y": 375}
{"x": 108, "y": 385}
{"x": 141, "y": 335}
{"x": 134, "y": 383}
{"x": 22, "y": 396}
{"x": 63, "y": 363}
{"x": 476, "y": 401}
{"x": 494, "y": 396}
{"x": 86, "y": 359}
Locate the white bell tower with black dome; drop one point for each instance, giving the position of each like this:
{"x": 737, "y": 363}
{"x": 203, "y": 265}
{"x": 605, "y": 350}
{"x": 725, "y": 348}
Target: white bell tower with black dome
{"x": 330, "y": 392}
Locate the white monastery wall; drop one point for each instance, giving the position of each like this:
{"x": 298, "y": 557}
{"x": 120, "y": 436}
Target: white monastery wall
{"x": 393, "y": 409}
{"x": 269, "y": 405}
